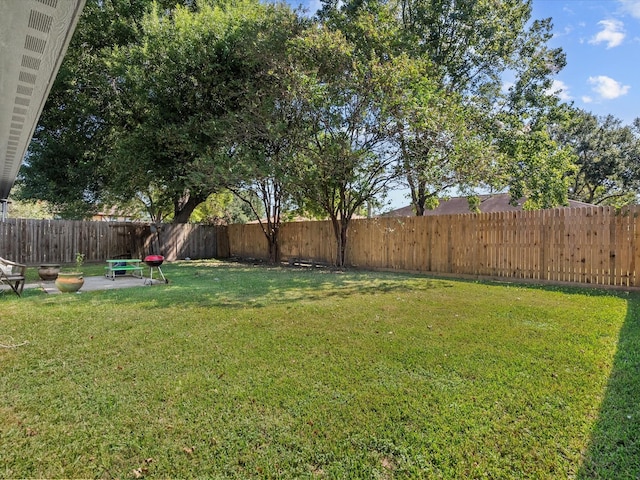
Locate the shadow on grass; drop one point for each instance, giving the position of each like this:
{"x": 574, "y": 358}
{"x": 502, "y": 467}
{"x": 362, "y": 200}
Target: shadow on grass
{"x": 241, "y": 285}
{"x": 614, "y": 451}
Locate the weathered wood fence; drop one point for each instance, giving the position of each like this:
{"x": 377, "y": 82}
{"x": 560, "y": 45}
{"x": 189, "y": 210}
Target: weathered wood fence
{"x": 57, "y": 241}
{"x": 593, "y": 245}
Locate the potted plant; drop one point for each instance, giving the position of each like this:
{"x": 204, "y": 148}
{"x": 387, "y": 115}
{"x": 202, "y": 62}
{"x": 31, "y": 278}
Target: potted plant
{"x": 70, "y": 282}
{"x": 48, "y": 271}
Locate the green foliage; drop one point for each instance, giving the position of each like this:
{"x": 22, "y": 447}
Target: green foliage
{"x": 607, "y": 158}
{"x": 448, "y": 140}
{"x": 267, "y": 132}
{"x": 442, "y": 149}
{"x": 37, "y": 209}
{"x": 537, "y": 168}
{"x": 64, "y": 164}
{"x": 224, "y": 208}
{"x": 79, "y": 261}
{"x": 233, "y": 371}
{"x": 178, "y": 86}
{"x": 164, "y": 105}
{"x": 350, "y": 104}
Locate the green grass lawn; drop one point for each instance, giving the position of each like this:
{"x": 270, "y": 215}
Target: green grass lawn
{"x": 238, "y": 371}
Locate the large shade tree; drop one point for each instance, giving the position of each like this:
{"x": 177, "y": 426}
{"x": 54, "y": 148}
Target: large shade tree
{"x": 350, "y": 104}
{"x": 267, "y": 130}
{"x": 63, "y": 164}
{"x": 179, "y": 90}
{"x": 471, "y": 45}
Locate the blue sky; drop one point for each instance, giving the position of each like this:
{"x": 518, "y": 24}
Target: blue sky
{"x": 601, "y": 39}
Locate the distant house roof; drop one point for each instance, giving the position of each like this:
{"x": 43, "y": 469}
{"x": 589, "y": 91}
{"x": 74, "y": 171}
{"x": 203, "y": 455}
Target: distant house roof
{"x": 113, "y": 214}
{"x": 488, "y": 204}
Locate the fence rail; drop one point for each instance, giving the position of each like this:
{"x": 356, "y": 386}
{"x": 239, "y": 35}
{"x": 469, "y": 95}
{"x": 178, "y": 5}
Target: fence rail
{"x": 591, "y": 245}
{"x": 57, "y": 241}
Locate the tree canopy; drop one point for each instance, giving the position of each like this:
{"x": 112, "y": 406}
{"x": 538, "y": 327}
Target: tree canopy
{"x": 63, "y": 164}
{"x": 171, "y": 103}
{"x": 607, "y": 158}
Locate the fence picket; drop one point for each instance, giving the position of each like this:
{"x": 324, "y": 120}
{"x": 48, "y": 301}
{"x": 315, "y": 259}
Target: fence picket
{"x": 591, "y": 245}
{"x": 34, "y": 242}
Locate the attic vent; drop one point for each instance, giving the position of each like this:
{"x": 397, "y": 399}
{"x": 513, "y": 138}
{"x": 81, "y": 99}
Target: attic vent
{"x": 14, "y": 137}
{"x": 40, "y": 21}
{"x": 51, "y": 3}
{"x": 22, "y": 101}
{"x": 34, "y": 44}
{"x": 20, "y": 111}
{"x": 16, "y": 125}
{"x": 15, "y": 132}
{"x": 16, "y": 118}
{"x": 27, "y": 78}
{"x": 22, "y": 90}
{"x": 12, "y": 143}
{"x": 30, "y": 62}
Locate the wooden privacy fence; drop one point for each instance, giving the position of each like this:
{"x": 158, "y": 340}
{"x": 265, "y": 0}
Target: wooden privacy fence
{"x": 57, "y": 241}
{"x": 591, "y": 245}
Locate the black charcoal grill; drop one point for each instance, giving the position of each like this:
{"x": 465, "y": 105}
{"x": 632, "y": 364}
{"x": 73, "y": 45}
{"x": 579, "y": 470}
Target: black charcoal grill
{"x": 154, "y": 261}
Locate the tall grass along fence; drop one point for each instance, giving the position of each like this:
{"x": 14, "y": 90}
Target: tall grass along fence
{"x": 57, "y": 241}
{"x": 592, "y": 245}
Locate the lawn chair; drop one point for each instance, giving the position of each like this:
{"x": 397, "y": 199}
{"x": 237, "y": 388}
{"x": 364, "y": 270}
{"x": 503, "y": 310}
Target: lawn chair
{"x": 12, "y": 274}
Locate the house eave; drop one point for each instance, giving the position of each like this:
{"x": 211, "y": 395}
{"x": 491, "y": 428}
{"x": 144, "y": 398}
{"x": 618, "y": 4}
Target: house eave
{"x": 34, "y": 37}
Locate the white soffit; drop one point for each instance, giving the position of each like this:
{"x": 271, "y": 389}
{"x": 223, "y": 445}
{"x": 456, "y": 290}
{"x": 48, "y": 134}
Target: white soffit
{"x": 34, "y": 36}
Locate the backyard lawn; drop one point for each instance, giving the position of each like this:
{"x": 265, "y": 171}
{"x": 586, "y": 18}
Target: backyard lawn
{"x": 243, "y": 371}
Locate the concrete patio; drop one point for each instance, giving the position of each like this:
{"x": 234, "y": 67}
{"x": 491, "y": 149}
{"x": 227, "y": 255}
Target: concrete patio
{"x": 99, "y": 283}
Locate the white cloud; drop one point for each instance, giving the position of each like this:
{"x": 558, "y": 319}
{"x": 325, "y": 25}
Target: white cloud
{"x": 607, "y": 87}
{"x": 612, "y": 33}
{"x": 565, "y": 32}
{"x": 559, "y": 89}
{"x": 632, "y": 7}
{"x": 587, "y": 99}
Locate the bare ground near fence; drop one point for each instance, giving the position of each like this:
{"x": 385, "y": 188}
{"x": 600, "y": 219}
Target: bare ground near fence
{"x": 591, "y": 245}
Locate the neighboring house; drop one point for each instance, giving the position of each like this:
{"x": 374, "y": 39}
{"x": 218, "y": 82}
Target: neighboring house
{"x": 488, "y": 204}
{"x": 113, "y": 214}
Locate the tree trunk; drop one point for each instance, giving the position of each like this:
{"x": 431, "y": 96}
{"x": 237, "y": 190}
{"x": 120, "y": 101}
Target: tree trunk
{"x": 274, "y": 245}
{"x": 183, "y": 210}
{"x": 344, "y": 225}
{"x": 418, "y": 197}
{"x": 340, "y": 228}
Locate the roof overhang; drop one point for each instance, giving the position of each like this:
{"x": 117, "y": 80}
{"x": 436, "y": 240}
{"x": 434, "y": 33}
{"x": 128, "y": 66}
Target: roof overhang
{"x": 34, "y": 36}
